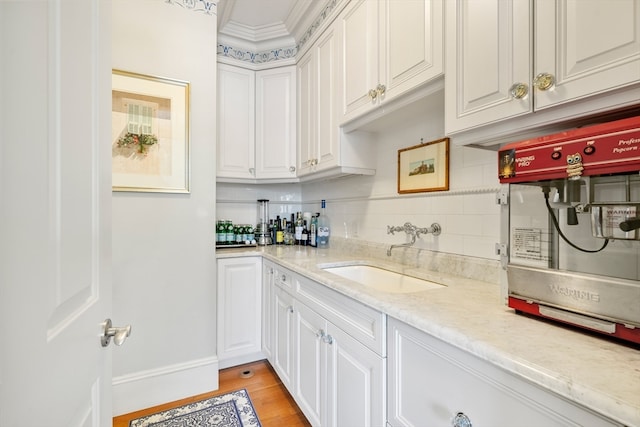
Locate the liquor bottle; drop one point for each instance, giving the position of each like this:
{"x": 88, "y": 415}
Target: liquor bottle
{"x": 299, "y": 226}
{"x": 279, "y": 232}
{"x": 304, "y": 240}
{"x": 324, "y": 227}
{"x": 313, "y": 231}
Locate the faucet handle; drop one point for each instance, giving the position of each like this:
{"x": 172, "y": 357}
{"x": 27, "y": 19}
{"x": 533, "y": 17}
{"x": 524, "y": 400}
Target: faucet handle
{"x": 390, "y": 230}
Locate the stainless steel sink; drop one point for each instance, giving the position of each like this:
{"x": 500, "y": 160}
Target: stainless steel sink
{"x": 381, "y": 279}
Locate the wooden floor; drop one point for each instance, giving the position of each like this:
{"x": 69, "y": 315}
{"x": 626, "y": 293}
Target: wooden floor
{"x": 270, "y": 398}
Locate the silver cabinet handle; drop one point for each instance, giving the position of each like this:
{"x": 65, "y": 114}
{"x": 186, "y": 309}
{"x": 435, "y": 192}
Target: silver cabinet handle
{"x": 119, "y": 335}
{"x": 381, "y": 89}
{"x": 290, "y": 309}
{"x": 373, "y": 94}
{"x": 252, "y": 171}
{"x": 292, "y": 168}
{"x": 328, "y": 339}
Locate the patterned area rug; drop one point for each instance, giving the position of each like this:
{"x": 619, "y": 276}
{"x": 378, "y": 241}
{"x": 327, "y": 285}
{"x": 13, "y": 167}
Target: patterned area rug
{"x": 228, "y": 410}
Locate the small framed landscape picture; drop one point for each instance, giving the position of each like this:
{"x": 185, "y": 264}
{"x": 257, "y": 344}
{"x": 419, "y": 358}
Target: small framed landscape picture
{"x": 424, "y": 167}
{"x": 149, "y": 133}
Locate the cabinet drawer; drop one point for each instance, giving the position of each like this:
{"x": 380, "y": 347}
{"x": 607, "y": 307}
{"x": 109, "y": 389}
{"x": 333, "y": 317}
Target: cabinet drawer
{"x": 283, "y": 278}
{"x": 358, "y": 320}
{"x": 433, "y": 381}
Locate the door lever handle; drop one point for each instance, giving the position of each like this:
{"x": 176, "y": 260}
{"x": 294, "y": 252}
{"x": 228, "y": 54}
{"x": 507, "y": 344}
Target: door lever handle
{"x": 119, "y": 335}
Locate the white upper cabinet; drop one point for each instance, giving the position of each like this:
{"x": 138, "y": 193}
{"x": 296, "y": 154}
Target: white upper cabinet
{"x": 587, "y": 47}
{"x": 317, "y": 85}
{"x": 276, "y": 123}
{"x": 236, "y": 122}
{"x": 508, "y": 59}
{"x": 256, "y": 124}
{"x": 323, "y": 149}
{"x": 389, "y": 48}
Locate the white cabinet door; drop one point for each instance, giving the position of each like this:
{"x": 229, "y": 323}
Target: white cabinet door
{"x": 318, "y": 75}
{"x": 282, "y": 358}
{"x": 239, "y": 310}
{"x": 390, "y": 48}
{"x": 276, "y": 123}
{"x": 327, "y": 52}
{"x": 587, "y": 46}
{"x": 359, "y": 27}
{"x": 488, "y": 51}
{"x": 307, "y": 110}
{"x": 430, "y": 382}
{"x": 356, "y": 382}
{"x": 236, "y": 123}
{"x": 411, "y": 44}
{"x": 310, "y": 363}
{"x": 268, "y": 306}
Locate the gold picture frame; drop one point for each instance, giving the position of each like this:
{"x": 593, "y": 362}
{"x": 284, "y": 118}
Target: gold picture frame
{"x": 424, "y": 167}
{"x": 149, "y": 133}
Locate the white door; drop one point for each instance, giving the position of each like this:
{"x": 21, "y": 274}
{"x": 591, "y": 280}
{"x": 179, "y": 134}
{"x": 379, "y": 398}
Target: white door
{"x": 55, "y": 207}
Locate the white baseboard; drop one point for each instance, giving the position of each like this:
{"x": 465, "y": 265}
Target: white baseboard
{"x": 145, "y": 389}
{"x": 241, "y": 360}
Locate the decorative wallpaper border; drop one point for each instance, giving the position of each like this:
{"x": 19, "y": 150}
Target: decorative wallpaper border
{"x": 205, "y": 6}
{"x": 257, "y": 57}
{"x": 326, "y": 12}
{"x": 280, "y": 53}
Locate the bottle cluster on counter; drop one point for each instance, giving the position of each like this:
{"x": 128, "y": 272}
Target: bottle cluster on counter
{"x": 303, "y": 229}
{"x": 229, "y": 234}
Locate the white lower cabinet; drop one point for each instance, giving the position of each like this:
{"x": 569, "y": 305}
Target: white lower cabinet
{"x": 432, "y": 383}
{"x": 239, "y": 282}
{"x": 282, "y": 350}
{"x": 335, "y": 379}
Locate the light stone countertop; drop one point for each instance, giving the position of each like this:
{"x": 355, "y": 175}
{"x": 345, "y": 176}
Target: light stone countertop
{"x": 595, "y": 372}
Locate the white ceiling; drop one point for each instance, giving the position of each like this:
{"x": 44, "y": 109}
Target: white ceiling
{"x": 265, "y": 24}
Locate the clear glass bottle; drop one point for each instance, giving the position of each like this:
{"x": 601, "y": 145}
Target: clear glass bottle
{"x": 324, "y": 227}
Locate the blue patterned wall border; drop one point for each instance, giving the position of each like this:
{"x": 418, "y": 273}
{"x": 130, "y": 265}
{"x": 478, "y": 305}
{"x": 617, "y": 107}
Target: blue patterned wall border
{"x": 208, "y": 7}
{"x": 280, "y": 53}
{"x": 316, "y": 24}
{"x": 257, "y": 57}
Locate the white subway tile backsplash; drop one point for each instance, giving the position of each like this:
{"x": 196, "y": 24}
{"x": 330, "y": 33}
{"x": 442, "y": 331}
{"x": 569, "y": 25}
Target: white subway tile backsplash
{"x": 361, "y": 207}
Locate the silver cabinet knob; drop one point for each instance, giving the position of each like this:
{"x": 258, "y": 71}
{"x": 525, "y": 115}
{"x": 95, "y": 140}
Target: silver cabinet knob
{"x": 252, "y": 171}
{"x": 292, "y": 168}
{"x": 373, "y": 94}
{"x": 119, "y": 335}
{"x": 381, "y": 89}
{"x": 519, "y": 90}
{"x": 544, "y": 81}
